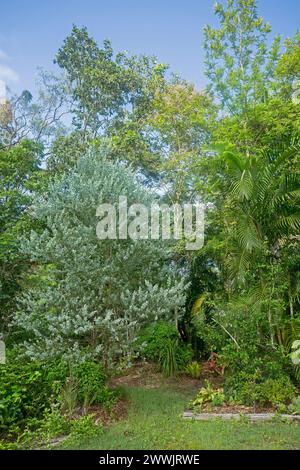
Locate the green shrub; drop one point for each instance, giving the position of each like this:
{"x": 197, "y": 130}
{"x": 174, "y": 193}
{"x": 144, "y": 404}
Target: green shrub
{"x": 208, "y": 396}
{"x": 155, "y": 344}
{"x": 56, "y": 374}
{"x": 257, "y": 377}
{"x": 194, "y": 370}
{"x": 252, "y": 389}
{"x": 91, "y": 381}
{"x": 272, "y": 363}
{"x": 85, "y": 427}
{"x": 294, "y": 406}
{"x": 168, "y": 358}
{"x": 153, "y": 339}
{"x": 82, "y": 428}
{"x": 25, "y": 392}
{"x": 54, "y": 423}
{"x": 276, "y": 391}
{"x": 28, "y": 391}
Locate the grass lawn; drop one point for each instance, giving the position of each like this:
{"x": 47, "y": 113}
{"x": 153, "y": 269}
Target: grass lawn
{"x": 154, "y": 422}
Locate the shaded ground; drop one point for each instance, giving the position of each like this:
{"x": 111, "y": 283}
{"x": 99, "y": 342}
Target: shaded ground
{"x": 147, "y": 376}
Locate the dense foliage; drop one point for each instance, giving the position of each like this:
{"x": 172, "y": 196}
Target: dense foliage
{"x": 29, "y": 392}
{"x": 161, "y": 343}
{"x": 80, "y": 301}
{"x": 134, "y": 131}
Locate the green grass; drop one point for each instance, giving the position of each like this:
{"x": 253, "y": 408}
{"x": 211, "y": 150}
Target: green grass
{"x": 154, "y": 422}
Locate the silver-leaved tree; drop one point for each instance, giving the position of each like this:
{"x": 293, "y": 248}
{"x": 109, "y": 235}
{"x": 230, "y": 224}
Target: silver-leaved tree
{"x": 86, "y": 296}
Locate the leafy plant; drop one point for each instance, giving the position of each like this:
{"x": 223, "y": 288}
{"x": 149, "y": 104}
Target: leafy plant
{"x": 91, "y": 379}
{"x": 168, "y": 359}
{"x": 194, "y": 370}
{"x": 295, "y": 354}
{"x": 53, "y": 424}
{"x": 208, "y": 396}
{"x": 161, "y": 341}
{"x": 273, "y": 391}
{"x": 29, "y": 390}
{"x": 294, "y": 406}
{"x": 252, "y": 390}
{"x": 24, "y": 393}
{"x": 85, "y": 427}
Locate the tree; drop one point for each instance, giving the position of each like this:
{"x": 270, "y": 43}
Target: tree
{"x": 239, "y": 65}
{"x": 289, "y": 68}
{"x": 181, "y": 118}
{"x": 21, "y": 177}
{"x": 88, "y": 296}
{"x": 110, "y": 95}
{"x": 257, "y": 206}
{"x": 23, "y": 117}
{"x": 252, "y": 182}
{"x": 103, "y": 85}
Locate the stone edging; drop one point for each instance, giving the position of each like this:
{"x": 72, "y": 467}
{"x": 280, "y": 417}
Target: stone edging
{"x": 238, "y": 416}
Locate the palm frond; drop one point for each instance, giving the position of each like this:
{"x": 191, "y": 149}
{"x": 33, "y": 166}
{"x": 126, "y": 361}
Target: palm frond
{"x": 242, "y": 188}
{"x": 247, "y": 235}
{"x": 289, "y": 222}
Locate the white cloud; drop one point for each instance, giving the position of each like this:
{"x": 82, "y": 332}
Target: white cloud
{"x": 7, "y": 73}
{"x": 2, "y": 91}
{"x": 3, "y": 56}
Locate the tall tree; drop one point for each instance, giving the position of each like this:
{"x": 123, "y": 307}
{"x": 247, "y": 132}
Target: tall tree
{"x": 289, "y": 68}
{"x": 104, "y": 85}
{"x": 39, "y": 119}
{"x": 21, "y": 177}
{"x": 86, "y": 295}
{"x": 239, "y": 65}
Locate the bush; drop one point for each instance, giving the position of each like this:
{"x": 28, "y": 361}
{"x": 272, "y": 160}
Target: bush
{"x": 91, "y": 384}
{"x": 271, "y": 363}
{"x": 29, "y": 391}
{"x": 251, "y": 389}
{"x": 294, "y": 406}
{"x": 276, "y": 391}
{"x": 194, "y": 370}
{"x": 25, "y": 393}
{"x": 208, "y": 396}
{"x": 155, "y": 344}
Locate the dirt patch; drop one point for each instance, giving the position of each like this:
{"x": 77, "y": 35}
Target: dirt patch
{"x": 105, "y": 417}
{"x": 139, "y": 375}
{"x": 147, "y": 375}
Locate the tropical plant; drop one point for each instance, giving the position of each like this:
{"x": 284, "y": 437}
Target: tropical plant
{"x": 168, "y": 359}
{"x": 194, "y": 370}
{"x": 208, "y": 395}
{"x": 156, "y": 339}
{"x": 295, "y": 354}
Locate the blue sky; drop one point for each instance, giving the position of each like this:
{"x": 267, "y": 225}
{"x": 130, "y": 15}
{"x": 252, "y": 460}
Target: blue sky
{"x": 31, "y": 31}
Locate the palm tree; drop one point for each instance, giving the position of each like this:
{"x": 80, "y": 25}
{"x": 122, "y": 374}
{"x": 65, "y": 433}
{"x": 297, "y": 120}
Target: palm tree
{"x": 261, "y": 211}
